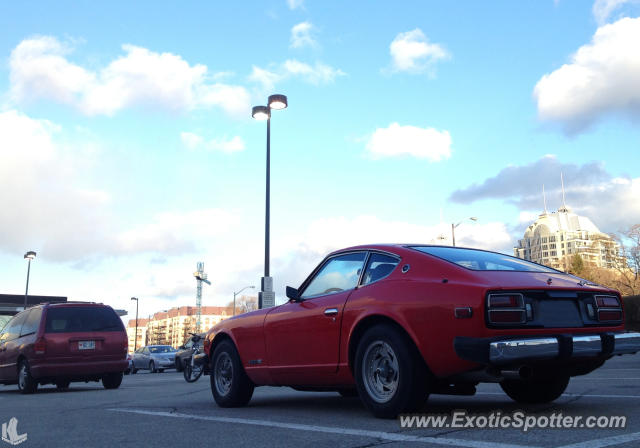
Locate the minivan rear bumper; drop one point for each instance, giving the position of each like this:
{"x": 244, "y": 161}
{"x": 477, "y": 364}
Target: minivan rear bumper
{"x": 78, "y": 369}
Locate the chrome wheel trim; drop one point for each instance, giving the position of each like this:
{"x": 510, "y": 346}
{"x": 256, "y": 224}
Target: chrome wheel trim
{"x": 380, "y": 372}
{"x": 223, "y": 373}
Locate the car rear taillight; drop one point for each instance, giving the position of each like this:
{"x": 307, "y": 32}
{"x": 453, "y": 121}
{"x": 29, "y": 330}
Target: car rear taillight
{"x": 40, "y": 347}
{"x": 506, "y": 309}
{"x": 608, "y": 309}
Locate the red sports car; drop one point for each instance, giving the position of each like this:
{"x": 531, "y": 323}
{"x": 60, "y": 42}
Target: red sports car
{"x": 395, "y": 323}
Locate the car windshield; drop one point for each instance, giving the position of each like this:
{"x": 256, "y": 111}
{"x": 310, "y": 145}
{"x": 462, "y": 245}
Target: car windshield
{"x": 480, "y": 260}
{"x": 162, "y": 349}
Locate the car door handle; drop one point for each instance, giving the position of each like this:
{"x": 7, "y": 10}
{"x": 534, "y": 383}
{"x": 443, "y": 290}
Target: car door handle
{"x": 331, "y": 311}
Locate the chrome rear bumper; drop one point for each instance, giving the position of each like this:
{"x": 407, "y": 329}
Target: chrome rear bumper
{"x": 507, "y": 351}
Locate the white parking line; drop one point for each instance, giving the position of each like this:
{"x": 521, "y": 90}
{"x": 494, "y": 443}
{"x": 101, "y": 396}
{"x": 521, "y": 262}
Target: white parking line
{"x": 635, "y": 397}
{"x": 391, "y": 436}
{"x": 608, "y": 441}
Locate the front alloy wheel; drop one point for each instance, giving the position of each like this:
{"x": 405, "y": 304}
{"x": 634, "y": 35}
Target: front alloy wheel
{"x": 230, "y": 385}
{"x": 390, "y": 375}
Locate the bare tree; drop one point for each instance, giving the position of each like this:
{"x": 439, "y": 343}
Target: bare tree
{"x": 244, "y": 304}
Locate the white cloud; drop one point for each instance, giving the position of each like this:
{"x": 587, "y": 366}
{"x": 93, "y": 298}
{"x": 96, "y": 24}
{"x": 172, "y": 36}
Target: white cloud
{"x": 267, "y": 78}
{"x": 194, "y": 141}
{"x": 317, "y": 74}
{"x": 191, "y": 140}
{"x": 292, "y": 68}
{"x": 601, "y": 79}
{"x": 39, "y": 68}
{"x": 47, "y": 205}
{"x": 411, "y": 52}
{"x": 295, "y": 4}
{"x": 397, "y": 140}
{"x": 602, "y": 9}
{"x": 301, "y": 36}
{"x": 610, "y": 202}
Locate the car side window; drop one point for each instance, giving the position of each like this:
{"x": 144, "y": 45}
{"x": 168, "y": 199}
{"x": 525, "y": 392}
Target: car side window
{"x": 145, "y": 351}
{"x": 339, "y": 273}
{"x": 14, "y": 326}
{"x": 379, "y": 266}
{"x": 32, "y": 322}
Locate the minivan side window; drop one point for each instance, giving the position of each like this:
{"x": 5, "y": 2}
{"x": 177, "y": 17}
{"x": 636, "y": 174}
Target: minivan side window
{"x": 32, "y": 322}
{"x": 12, "y": 330}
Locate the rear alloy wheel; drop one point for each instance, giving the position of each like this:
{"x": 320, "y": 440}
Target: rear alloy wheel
{"x": 230, "y": 385}
{"x": 62, "y": 384}
{"x": 390, "y": 376}
{"x": 112, "y": 380}
{"x": 26, "y": 383}
{"x": 535, "y": 391}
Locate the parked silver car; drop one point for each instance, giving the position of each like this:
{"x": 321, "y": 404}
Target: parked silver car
{"x": 155, "y": 358}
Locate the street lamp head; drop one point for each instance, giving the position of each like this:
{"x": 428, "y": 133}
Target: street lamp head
{"x": 30, "y": 255}
{"x": 134, "y": 298}
{"x": 277, "y": 102}
{"x": 473, "y": 218}
{"x": 260, "y": 112}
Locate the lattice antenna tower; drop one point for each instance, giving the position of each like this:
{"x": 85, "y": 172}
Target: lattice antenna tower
{"x": 200, "y": 276}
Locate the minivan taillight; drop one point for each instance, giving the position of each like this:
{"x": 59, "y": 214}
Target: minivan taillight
{"x": 506, "y": 309}
{"x": 608, "y": 309}
{"x": 40, "y": 347}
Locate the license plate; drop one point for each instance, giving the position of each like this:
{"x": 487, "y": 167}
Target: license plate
{"x": 86, "y": 345}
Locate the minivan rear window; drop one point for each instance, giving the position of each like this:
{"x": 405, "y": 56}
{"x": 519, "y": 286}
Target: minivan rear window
{"x": 80, "y": 319}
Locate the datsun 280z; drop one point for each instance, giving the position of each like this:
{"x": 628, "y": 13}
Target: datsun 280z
{"x": 395, "y": 323}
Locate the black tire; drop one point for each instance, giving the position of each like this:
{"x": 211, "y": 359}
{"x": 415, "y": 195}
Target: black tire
{"x": 390, "y": 374}
{"x": 112, "y": 380}
{"x": 191, "y": 375}
{"x": 230, "y": 385}
{"x": 178, "y": 365}
{"x": 348, "y": 393}
{"x": 134, "y": 371}
{"x": 62, "y": 384}
{"x": 26, "y": 383}
{"x": 161, "y": 370}
{"x": 535, "y": 391}
{"x": 152, "y": 367}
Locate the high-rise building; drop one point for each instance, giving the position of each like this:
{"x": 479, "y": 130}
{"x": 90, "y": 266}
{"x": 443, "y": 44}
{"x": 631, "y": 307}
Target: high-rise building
{"x": 555, "y": 238}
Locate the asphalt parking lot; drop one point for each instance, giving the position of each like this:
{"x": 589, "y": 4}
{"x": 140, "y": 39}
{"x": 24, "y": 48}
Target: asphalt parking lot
{"x": 163, "y": 410}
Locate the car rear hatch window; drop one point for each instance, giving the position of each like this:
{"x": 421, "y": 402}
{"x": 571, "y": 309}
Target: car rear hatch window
{"x": 480, "y": 260}
{"x": 84, "y": 332}
{"x": 82, "y": 319}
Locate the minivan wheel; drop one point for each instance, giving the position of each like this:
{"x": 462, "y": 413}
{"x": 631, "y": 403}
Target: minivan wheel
{"x": 26, "y": 383}
{"x": 112, "y": 380}
{"x": 230, "y": 385}
{"x": 390, "y": 376}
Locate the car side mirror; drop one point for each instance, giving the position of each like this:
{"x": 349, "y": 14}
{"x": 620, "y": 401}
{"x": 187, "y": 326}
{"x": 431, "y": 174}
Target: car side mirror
{"x": 292, "y": 293}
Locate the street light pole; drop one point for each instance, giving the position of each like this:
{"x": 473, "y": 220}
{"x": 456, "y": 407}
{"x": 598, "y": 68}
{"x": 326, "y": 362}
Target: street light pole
{"x": 453, "y": 229}
{"x": 234, "y": 297}
{"x": 276, "y": 102}
{"x": 30, "y": 256}
{"x": 135, "y": 341}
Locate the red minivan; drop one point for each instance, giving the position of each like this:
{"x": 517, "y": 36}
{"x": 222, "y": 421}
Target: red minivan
{"x": 63, "y": 342}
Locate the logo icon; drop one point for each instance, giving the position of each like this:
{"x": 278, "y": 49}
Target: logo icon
{"x": 10, "y": 432}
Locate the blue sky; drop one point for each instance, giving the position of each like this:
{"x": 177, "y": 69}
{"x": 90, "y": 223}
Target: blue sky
{"x": 128, "y": 152}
